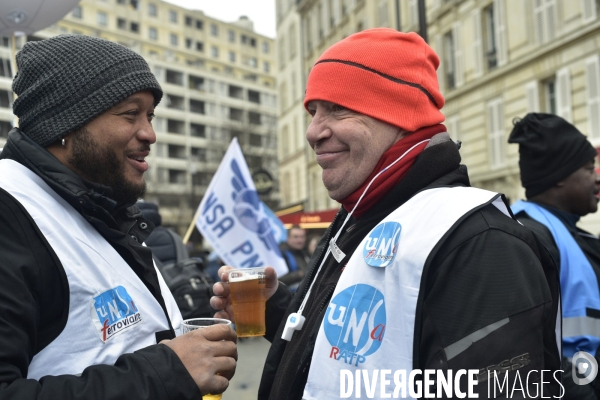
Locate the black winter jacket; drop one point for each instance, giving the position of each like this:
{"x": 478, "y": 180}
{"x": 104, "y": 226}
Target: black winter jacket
{"x": 485, "y": 269}
{"x": 34, "y": 293}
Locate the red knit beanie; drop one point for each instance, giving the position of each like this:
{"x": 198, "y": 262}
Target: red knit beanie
{"x": 382, "y": 73}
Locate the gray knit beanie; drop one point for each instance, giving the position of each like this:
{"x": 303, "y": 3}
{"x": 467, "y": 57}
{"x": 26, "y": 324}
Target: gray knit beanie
{"x": 65, "y": 81}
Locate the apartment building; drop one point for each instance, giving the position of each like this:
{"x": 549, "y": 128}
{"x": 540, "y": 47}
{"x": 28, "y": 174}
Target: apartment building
{"x": 500, "y": 59}
{"x": 219, "y": 83}
{"x": 504, "y": 58}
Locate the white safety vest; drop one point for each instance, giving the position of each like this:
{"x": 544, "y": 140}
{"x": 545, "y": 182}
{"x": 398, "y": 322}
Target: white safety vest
{"x": 369, "y": 323}
{"x": 111, "y": 312}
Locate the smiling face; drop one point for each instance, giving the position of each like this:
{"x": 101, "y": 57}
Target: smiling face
{"x": 111, "y": 149}
{"x": 348, "y": 145}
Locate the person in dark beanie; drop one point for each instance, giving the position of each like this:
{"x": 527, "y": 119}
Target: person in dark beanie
{"x": 561, "y": 185}
{"x": 414, "y": 272}
{"x": 83, "y": 311}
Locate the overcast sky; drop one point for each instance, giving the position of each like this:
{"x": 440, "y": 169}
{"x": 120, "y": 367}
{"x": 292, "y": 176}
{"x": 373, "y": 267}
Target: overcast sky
{"x": 261, "y": 12}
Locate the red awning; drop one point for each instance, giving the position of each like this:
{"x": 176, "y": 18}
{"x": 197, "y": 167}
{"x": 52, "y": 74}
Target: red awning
{"x": 308, "y": 220}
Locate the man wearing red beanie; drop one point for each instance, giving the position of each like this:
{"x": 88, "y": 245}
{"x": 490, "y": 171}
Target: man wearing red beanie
{"x": 418, "y": 270}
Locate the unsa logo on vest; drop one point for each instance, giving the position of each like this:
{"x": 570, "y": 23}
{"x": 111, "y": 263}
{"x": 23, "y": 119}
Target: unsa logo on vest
{"x": 382, "y": 244}
{"x": 114, "y": 312}
{"x": 355, "y": 323}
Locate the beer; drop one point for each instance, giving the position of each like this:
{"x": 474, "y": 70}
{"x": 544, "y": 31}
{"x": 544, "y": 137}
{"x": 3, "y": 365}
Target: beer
{"x": 247, "y": 287}
{"x": 189, "y": 325}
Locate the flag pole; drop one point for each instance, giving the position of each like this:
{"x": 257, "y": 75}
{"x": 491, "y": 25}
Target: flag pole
{"x": 190, "y": 229}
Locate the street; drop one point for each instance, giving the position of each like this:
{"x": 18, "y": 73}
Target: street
{"x": 251, "y": 358}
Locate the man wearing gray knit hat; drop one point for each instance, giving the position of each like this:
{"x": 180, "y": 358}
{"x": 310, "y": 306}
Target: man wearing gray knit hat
{"x": 84, "y": 313}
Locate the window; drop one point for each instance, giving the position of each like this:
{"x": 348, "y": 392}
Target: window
{"x": 197, "y": 130}
{"x": 197, "y": 106}
{"x": 235, "y": 114}
{"x": 231, "y": 36}
{"x": 199, "y": 24}
{"x": 199, "y": 46}
{"x": 5, "y": 99}
{"x": 214, "y": 30}
{"x": 254, "y": 96}
{"x": 490, "y": 37}
{"x": 174, "y": 77}
{"x": 175, "y": 126}
{"x": 238, "y": 135}
{"x": 590, "y": 11}
{"x": 102, "y": 18}
{"x": 252, "y": 42}
{"x": 292, "y": 41}
{"x": 174, "y": 39}
{"x": 77, "y": 12}
{"x": 121, "y": 23}
{"x": 198, "y": 153}
{"x": 177, "y": 176}
{"x": 173, "y": 16}
{"x": 496, "y": 139}
{"x": 383, "y": 13}
{"x": 254, "y": 118}
{"x": 532, "y": 96}
{"x": 214, "y": 51}
{"x": 134, "y": 4}
{"x": 550, "y": 95}
{"x": 592, "y": 79}
{"x": 5, "y": 127}
{"x": 450, "y": 67}
{"x": 413, "y": 13}
{"x": 134, "y": 27}
{"x": 189, "y": 21}
{"x": 152, "y": 10}
{"x": 189, "y": 43}
{"x": 252, "y": 62}
{"x": 236, "y": 92}
{"x": 152, "y": 33}
{"x": 232, "y": 56}
{"x": 281, "y": 52}
{"x": 545, "y": 20}
{"x": 265, "y": 47}
{"x": 196, "y": 82}
{"x": 175, "y": 102}
{"x": 563, "y": 94}
{"x": 255, "y": 140}
{"x": 255, "y": 162}
{"x": 266, "y": 67}
{"x": 176, "y": 151}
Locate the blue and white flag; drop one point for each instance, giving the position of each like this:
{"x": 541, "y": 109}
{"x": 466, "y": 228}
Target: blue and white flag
{"x": 234, "y": 220}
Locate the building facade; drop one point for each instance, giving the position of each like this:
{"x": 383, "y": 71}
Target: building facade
{"x": 504, "y": 58}
{"x": 500, "y": 59}
{"x": 219, "y": 83}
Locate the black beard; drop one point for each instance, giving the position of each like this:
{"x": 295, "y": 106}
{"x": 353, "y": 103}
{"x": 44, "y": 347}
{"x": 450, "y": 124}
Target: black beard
{"x": 102, "y": 165}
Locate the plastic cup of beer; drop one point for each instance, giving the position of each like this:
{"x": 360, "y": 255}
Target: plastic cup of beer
{"x": 247, "y": 288}
{"x": 192, "y": 324}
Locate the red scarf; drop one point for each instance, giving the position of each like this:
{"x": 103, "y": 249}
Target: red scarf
{"x": 392, "y": 176}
